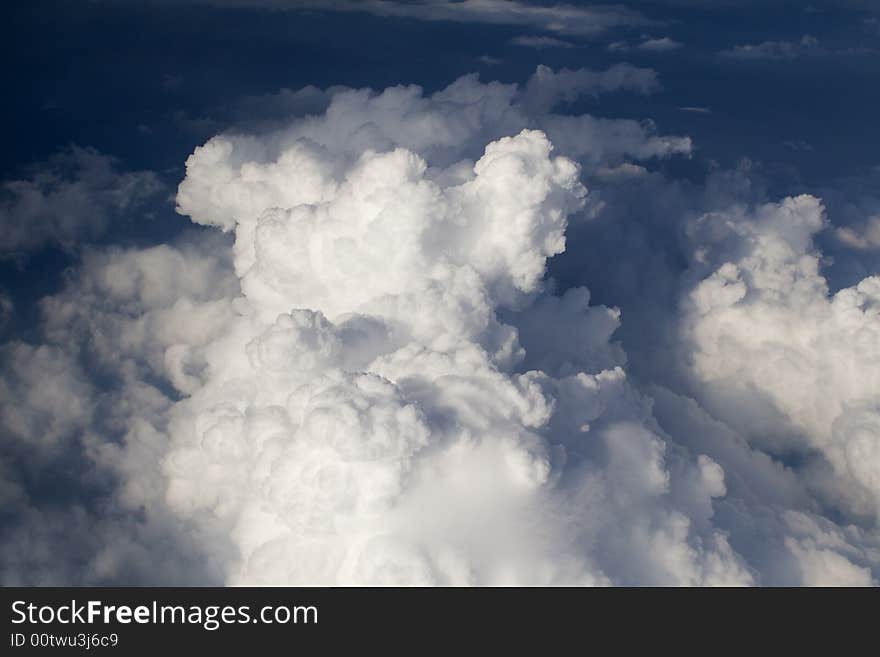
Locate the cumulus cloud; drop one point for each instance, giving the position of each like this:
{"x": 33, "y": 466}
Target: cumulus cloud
{"x": 780, "y": 358}
{"x": 641, "y": 215}
{"x": 537, "y": 404}
{"x": 83, "y": 412}
{"x": 381, "y": 383}
{"x": 459, "y": 120}
{"x": 360, "y": 407}
{"x": 359, "y": 370}
{"x": 74, "y": 196}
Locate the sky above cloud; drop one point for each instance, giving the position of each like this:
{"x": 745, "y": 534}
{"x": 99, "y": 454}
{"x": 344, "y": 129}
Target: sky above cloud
{"x": 440, "y": 293}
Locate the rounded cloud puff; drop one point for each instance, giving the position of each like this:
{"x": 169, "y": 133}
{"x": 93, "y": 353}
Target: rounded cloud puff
{"x": 381, "y": 427}
{"x": 365, "y": 375}
{"x": 780, "y": 358}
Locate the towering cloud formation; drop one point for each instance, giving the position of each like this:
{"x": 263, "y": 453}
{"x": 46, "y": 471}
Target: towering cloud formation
{"x": 374, "y": 381}
{"x": 369, "y": 419}
{"x": 779, "y": 358}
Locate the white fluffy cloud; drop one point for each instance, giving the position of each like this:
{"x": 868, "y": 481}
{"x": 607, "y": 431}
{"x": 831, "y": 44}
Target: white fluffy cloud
{"x": 448, "y": 127}
{"x": 648, "y": 44}
{"x": 368, "y": 410}
{"x": 366, "y": 376}
{"x": 373, "y": 411}
{"x": 779, "y": 357}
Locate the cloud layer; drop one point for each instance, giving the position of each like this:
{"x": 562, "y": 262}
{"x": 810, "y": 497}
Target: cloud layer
{"x": 72, "y": 197}
{"x": 360, "y": 370}
{"x": 562, "y": 18}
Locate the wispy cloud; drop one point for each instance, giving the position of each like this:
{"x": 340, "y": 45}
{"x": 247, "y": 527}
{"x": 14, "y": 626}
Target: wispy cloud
{"x": 547, "y": 88}
{"x": 864, "y": 237}
{"x": 540, "y": 42}
{"x": 72, "y": 198}
{"x": 775, "y": 49}
{"x": 799, "y": 145}
{"x": 648, "y": 44}
{"x": 808, "y": 46}
{"x": 559, "y": 18}
{"x": 659, "y": 45}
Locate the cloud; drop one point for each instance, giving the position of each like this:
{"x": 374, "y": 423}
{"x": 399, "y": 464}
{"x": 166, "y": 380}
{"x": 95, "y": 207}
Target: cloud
{"x": 864, "y": 237}
{"x": 393, "y": 329}
{"x": 779, "y": 358}
{"x": 546, "y": 88}
{"x": 364, "y": 119}
{"x": 595, "y": 141}
{"x": 356, "y": 406}
{"x": 7, "y": 308}
{"x": 808, "y": 46}
{"x": 536, "y": 391}
{"x": 540, "y": 42}
{"x": 45, "y": 395}
{"x": 82, "y": 412}
{"x": 257, "y": 113}
{"x": 799, "y": 145}
{"x": 560, "y": 18}
{"x": 641, "y": 215}
{"x": 662, "y": 44}
{"x": 696, "y": 110}
{"x": 362, "y": 454}
{"x": 72, "y": 197}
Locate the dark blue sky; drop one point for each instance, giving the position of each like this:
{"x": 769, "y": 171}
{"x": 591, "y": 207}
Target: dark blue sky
{"x": 92, "y": 72}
